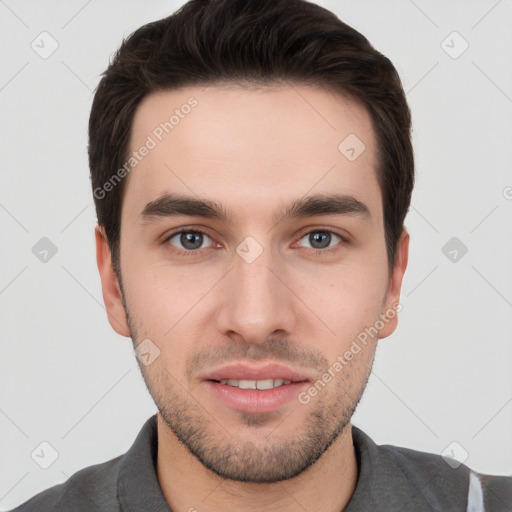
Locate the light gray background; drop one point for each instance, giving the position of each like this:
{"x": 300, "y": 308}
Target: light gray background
{"x": 444, "y": 376}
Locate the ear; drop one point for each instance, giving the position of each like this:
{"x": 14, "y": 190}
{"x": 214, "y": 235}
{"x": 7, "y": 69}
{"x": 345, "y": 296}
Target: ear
{"x": 390, "y": 309}
{"x": 109, "y": 285}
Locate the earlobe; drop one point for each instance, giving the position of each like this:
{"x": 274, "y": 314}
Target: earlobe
{"x": 391, "y": 304}
{"x": 109, "y": 284}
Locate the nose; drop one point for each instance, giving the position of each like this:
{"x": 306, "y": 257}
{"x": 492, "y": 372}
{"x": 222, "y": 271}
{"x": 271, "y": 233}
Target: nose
{"x": 256, "y": 301}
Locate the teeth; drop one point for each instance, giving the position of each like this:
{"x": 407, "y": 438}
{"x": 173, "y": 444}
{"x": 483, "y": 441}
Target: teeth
{"x": 245, "y": 384}
{"x": 255, "y": 384}
{"x": 268, "y": 383}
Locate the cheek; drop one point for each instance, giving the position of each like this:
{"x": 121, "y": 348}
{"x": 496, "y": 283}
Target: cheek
{"x": 346, "y": 300}
{"x": 165, "y": 305}
{"x": 349, "y": 307}
{"x": 160, "y": 295}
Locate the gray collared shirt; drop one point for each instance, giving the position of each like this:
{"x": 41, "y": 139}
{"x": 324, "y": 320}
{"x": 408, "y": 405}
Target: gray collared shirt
{"x": 390, "y": 478}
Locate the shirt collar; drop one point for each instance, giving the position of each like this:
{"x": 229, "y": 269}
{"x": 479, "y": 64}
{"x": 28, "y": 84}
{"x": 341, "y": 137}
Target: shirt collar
{"x": 395, "y": 478}
{"x": 138, "y": 487}
{"x": 385, "y": 480}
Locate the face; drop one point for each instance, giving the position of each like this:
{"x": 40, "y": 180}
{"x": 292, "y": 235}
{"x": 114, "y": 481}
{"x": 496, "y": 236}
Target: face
{"x": 245, "y": 288}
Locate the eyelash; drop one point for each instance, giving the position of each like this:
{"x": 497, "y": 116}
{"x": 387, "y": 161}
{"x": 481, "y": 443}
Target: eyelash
{"x": 316, "y": 252}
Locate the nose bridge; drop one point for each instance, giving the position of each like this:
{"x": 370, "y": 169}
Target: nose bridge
{"x": 255, "y": 302}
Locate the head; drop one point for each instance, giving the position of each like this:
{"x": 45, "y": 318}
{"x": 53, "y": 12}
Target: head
{"x": 252, "y": 168}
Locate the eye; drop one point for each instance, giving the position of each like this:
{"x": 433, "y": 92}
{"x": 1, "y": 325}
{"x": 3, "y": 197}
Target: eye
{"x": 320, "y": 240}
{"x": 188, "y": 241}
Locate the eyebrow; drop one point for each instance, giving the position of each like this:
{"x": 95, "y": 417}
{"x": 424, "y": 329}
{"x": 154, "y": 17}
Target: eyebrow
{"x": 172, "y": 205}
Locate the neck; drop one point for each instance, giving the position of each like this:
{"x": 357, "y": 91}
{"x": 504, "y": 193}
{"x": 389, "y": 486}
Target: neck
{"x": 326, "y": 486}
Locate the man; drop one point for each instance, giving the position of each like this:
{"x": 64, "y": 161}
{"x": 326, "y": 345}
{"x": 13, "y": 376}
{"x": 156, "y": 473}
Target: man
{"x": 252, "y": 167}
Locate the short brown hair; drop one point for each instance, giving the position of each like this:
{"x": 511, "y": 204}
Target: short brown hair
{"x": 262, "y": 42}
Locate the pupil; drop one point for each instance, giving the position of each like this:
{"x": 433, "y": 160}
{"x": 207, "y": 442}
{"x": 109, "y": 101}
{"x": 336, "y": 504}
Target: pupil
{"x": 321, "y": 237}
{"x": 187, "y": 240}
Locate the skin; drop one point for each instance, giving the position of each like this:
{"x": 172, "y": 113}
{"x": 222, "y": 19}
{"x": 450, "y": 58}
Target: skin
{"x": 253, "y": 150}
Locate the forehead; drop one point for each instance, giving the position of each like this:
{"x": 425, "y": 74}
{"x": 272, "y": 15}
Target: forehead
{"x": 247, "y": 146}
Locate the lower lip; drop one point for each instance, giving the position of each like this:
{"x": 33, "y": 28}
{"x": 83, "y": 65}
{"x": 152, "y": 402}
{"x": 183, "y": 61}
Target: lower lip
{"x": 254, "y": 400}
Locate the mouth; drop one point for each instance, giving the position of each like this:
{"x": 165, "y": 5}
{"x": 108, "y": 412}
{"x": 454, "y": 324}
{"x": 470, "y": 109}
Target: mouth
{"x": 254, "y": 389}
{"x": 254, "y": 384}
{"x": 249, "y": 376}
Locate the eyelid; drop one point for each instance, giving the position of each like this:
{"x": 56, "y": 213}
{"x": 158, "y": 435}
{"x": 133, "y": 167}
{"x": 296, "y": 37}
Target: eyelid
{"x": 344, "y": 239}
{"x": 328, "y": 229}
{"x": 306, "y": 231}
{"x": 187, "y": 229}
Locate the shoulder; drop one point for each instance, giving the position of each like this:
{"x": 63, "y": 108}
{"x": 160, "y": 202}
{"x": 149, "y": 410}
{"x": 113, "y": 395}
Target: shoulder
{"x": 417, "y": 465}
{"x": 428, "y": 475}
{"x": 438, "y": 479}
{"x": 497, "y": 492}
{"x": 127, "y": 479}
{"x": 91, "y": 488}
{"x": 491, "y": 493}
{"x": 428, "y": 481}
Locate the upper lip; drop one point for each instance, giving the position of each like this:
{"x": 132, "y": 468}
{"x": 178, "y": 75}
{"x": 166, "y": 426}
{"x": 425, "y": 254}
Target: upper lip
{"x": 246, "y": 371}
